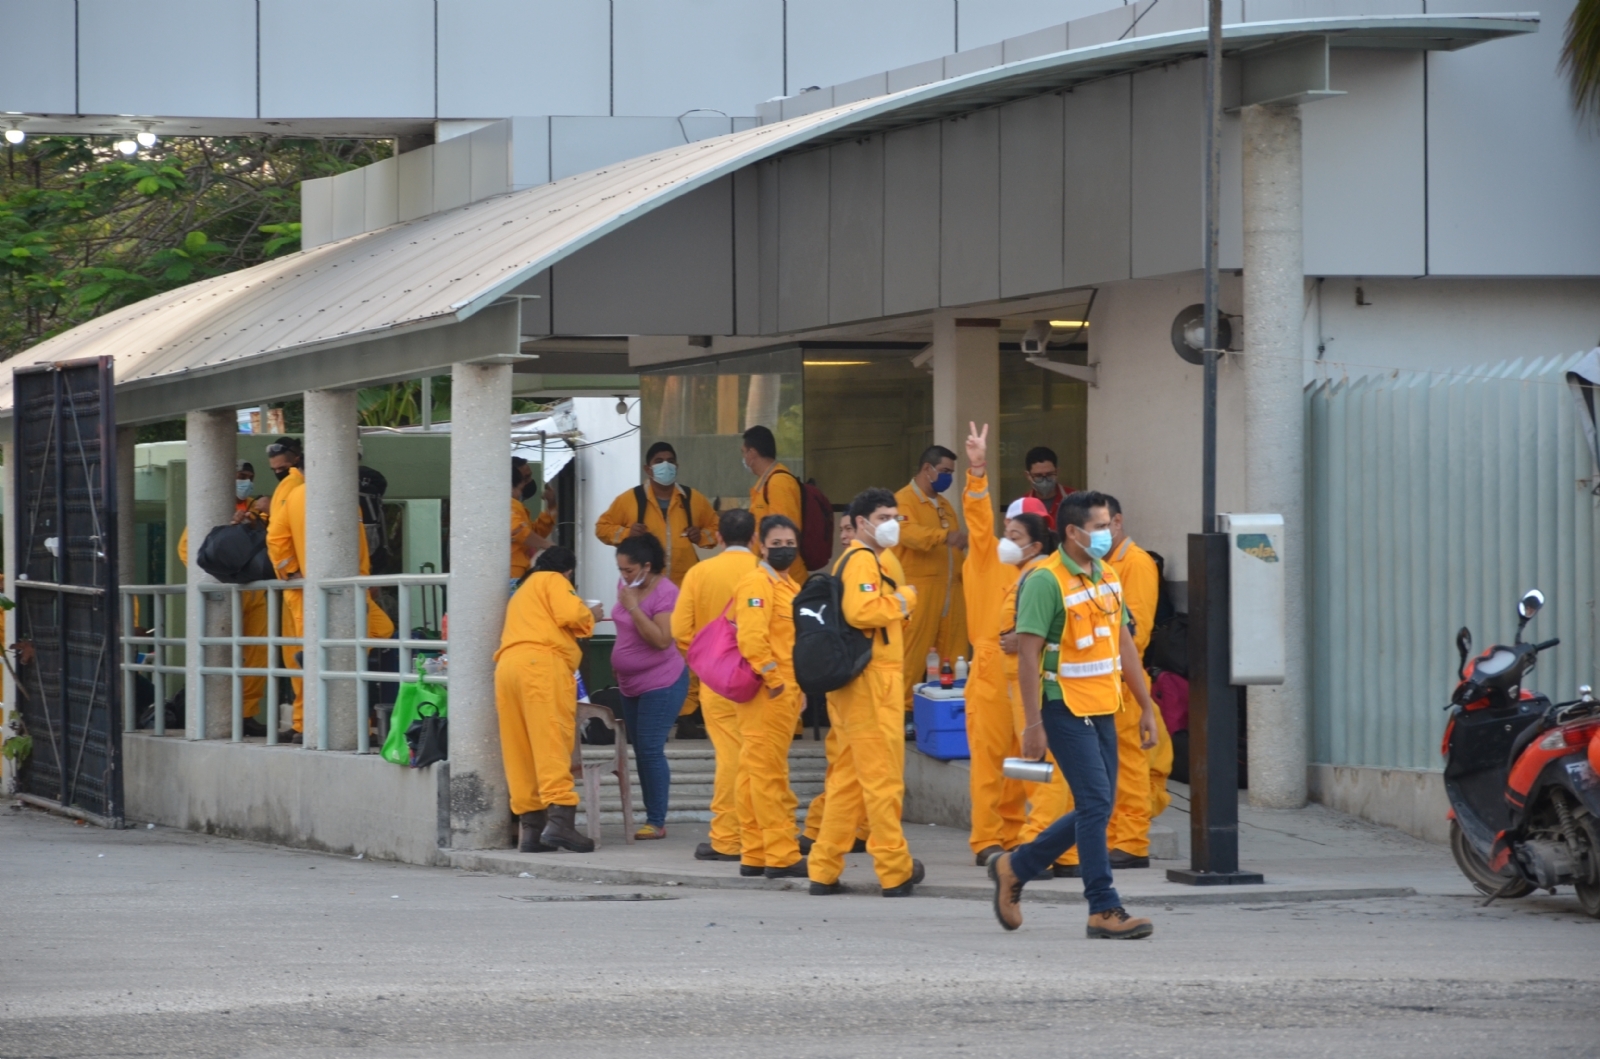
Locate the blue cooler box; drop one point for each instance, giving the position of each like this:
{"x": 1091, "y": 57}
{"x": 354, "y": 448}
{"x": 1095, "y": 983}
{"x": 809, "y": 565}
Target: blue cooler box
{"x": 941, "y": 722}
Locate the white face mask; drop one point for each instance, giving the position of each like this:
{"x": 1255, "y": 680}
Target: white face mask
{"x": 887, "y": 534}
{"x": 640, "y": 581}
{"x": 1010, "y": 552}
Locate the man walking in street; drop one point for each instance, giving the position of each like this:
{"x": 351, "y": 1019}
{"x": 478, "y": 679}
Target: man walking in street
{"x": 1074, "y": 652}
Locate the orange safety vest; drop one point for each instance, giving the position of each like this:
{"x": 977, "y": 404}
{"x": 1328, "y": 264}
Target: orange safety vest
{"x": 1089, "y": 656}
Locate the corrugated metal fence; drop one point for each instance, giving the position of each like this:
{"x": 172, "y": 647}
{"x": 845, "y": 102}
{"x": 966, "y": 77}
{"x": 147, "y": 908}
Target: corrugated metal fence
{"x": 1433, "y": 501}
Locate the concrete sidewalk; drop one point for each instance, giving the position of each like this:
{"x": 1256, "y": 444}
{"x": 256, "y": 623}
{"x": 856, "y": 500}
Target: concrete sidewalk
{"x": 1309, "y": 854}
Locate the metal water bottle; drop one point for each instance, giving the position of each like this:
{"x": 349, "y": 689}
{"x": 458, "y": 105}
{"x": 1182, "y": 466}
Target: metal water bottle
{"x": 1028, "y": 771}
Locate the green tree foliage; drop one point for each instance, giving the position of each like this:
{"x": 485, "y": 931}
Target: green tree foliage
{"x": 84, "y": 230}
{"x": 1580, "y": 57}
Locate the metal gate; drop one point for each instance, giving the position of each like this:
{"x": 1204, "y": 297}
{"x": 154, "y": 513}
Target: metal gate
{"x": 66, "y": 587}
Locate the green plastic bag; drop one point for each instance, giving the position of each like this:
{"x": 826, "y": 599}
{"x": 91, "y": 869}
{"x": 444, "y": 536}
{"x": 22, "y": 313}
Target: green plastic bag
{"x": 407, "y": 706}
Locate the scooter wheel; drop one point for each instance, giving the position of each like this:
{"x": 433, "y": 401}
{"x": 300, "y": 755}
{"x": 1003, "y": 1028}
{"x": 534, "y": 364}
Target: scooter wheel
{"x": 1476, "y": 868}
{"x": 1588, "y": 891}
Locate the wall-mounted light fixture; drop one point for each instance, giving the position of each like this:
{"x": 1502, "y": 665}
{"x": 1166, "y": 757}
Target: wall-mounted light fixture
{"x": 1189, "y": 334}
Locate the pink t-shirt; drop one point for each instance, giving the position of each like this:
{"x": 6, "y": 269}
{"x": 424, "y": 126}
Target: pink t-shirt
{"x": 640, "y": 667}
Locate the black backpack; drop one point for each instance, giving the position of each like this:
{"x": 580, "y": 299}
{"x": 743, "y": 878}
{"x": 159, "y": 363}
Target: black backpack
{"x": 371, "y": 486}
{"x": 683, "y": 490}
{"x": 828, "y": 652}
{"x": 236, "y": 554}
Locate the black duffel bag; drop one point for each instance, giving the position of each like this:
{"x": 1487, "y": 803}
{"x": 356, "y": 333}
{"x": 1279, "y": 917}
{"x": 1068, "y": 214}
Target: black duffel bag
{"x": 236, "y": 554}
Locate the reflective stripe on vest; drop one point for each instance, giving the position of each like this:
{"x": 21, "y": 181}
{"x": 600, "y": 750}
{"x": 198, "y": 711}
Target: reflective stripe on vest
{"x": 1090, "y": 661}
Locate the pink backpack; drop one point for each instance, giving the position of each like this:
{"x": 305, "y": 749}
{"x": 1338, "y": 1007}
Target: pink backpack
{"x": 714, "y": 656}
{"x": 1171, "y": 693}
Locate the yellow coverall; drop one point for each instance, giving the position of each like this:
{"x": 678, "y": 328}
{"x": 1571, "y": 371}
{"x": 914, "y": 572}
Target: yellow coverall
{"x": 1141, "y": 774}
{"x": 763, "y": 606}
{"x": 521, "y": 529}
{"x": 288, "y": 557}
{"x": 998, "y": 804}
{"x": 778, "y": 493}
{"x": 253, "y": 615}
{"x": 933, "y": 568}
{"x": 536, "y": 692}
{"x": 703, "y": 597}
{"x": 612, "y": 527}
{"x": 282, "y": 549}
{"x": 869, "y": 714}
{"x": 544, "y": 525}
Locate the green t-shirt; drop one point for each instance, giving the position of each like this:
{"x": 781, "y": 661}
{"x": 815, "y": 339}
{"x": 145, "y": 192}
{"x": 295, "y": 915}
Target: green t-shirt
{"x": 1042, "y": 612}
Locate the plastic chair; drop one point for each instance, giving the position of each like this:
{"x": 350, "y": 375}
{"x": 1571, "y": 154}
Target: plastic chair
{"x": 591, "y": 773}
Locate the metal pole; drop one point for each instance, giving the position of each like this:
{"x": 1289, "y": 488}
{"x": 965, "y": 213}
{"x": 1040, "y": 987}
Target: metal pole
{"x": 1214, "y": 786}
{"x": 1212, "y": 180}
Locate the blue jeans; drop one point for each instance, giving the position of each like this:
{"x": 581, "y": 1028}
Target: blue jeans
{"x": 650, "y": 718}
{"x": 1085, "y": 750}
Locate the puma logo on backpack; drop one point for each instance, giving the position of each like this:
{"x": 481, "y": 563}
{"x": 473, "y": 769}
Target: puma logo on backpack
{"x": 828, "y": 652}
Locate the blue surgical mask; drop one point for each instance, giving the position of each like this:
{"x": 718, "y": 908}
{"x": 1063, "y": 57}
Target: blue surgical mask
{"x": 942, "y": 482}
{"x": 664, "y": 473}
{"x": 1099, "y": 543}
{"x": 242, "y": 487}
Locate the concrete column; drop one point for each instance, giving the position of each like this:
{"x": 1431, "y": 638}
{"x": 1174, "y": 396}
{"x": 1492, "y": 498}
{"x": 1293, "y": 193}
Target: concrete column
{"x": 127, "y": 561}
{"x": 966, "y": 386}
{"x": 333, "y": 528}
{"x": 212, "y": 457}
{"x": 480, "y": 554}
{"x": 1273, "y": 373}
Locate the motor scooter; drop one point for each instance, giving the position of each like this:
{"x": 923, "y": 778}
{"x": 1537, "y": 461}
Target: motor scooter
{"x": 1522, "y": 775}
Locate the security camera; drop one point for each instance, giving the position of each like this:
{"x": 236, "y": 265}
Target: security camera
{"x": 1036, "y": 340}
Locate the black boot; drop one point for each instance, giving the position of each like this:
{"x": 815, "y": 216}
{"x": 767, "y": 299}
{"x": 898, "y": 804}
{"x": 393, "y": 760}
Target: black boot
{"x": 918, "y": 873}
{"x": 797, "y": 870}
{"x": 529, "y": 827}
{"x": 559, "y": 831}
{"x": 752, "y": 871}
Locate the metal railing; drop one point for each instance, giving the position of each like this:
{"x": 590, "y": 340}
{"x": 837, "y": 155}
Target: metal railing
{"x": 236, "y": 642}
{"x": 363, "y": 642}
{"x": 148, "y": 653}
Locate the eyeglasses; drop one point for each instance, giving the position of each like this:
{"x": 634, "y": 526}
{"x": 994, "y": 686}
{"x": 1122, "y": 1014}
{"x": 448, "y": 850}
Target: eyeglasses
{"x": 280, "y": 449}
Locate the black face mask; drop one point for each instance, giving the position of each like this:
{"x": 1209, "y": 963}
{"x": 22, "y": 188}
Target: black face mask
{"x": 781, "y": 558}
{"x": 529, "y": 488}
{"x": 280, "y": 473}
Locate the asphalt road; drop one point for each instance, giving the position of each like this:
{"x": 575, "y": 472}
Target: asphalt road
{"x": 161, "y": 943}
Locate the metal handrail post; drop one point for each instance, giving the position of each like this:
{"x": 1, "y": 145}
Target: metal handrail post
{"x": 130, "y": 656}
{"x": 236, "y": 613}
{"x": 274, "y": 659}
{"x": 158, "y": 612}
{"x": 363, "y": 737}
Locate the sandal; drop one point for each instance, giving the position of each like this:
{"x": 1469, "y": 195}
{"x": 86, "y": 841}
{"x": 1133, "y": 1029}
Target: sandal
{"x": 649, "y": 831}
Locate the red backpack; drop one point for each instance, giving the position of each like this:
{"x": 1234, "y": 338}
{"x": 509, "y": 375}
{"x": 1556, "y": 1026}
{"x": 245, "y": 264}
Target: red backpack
{"x": 816, "y": 522}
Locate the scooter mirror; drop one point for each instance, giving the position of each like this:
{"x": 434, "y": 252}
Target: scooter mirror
{"x": 1464, "y": 647}
{"x": 1530, "y": 604}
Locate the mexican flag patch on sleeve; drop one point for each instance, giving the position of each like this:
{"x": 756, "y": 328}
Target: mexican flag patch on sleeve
{"x": 869, "y": 586}
{"x": 757, "y": 601}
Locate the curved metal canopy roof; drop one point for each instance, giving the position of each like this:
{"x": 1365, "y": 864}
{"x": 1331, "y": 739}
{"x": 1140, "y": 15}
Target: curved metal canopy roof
{"x": 444, "y": 268}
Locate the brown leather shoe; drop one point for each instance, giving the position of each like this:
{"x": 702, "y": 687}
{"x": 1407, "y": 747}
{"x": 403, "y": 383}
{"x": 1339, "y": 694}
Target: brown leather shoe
{"x": 1007, "y": 892}
{"x": 1116, "y": 923}
{"x": 529, "y": 827}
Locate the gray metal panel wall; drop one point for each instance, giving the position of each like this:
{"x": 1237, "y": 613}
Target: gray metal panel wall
{"x": 1434, "y": 501}
{"x": 214, "y": 41}
{"x": 672, "y": 56}
{"x": 767, "y": 244}
{"x": 499, "y": 57}
{"x": 969, "y": 209}
{"x": 1031, "y": 200}
{"x": 1098, "y": 131}
{"x": 670, "y": 272}
{"x": 1511, "y": 178}
{"x": 855, "y": 231}
{"x": 390, "y": 75}
{"x": 747, "y": 252}
{"x": 41, "y": 77}
{"x": 1166, "y": 204}
{"x": 833, "y": 41}
{"x": 1365, "y": 167}
{"x": 911, "y": 218}
{"x": 803, "y": 241}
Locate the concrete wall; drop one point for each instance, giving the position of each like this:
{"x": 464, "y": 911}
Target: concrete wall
{"x": 337, "y": 802}
{"x": 1412, "y": 800}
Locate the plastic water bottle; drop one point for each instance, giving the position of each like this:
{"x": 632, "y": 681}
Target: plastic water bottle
{"x": 961, "y": 667}
{"x": 933, "y": 667}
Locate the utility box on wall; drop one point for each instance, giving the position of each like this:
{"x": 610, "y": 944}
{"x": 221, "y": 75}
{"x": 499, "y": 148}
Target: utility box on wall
{"x": 1255, "y": 598}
